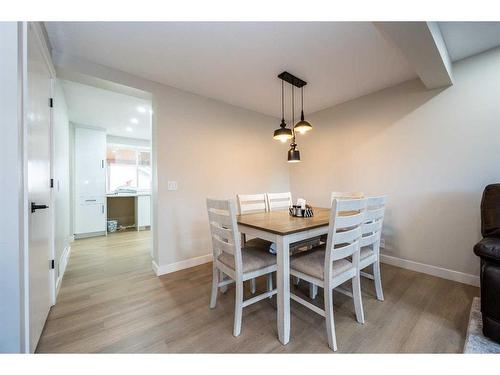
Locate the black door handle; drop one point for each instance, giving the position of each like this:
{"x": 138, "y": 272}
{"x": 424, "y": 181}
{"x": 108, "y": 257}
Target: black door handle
{"x": 35, "y": 207}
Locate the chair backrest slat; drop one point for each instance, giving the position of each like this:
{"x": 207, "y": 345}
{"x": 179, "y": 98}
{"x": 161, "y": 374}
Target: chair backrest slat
{"x": 216, "y": 216}
{"x": 223, "y": 233}
{"x": 346, "y": 195}
{"x": 369, "y": 239}
{"x": 374, "y": 214}
{"x": 345, "y": 251}
{"x": 351, "y": 204}
{"x": 223, "y": 246}
{"x": 372, "y": 226}
{"x": 353, "y": 219}
{"x": 372, "y": 229}
{"x": 252, "y": 203}
{"x": 347, "y": 236}
{"x": 376, "y": 201}
{"x": 224, "y": 230}
{"x": 279, "y": 201}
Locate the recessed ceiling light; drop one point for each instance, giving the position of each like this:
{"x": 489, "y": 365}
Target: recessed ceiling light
{"x": 141, "y": 109}
{"x": 129, "y": 129}
{"x": 134, "y": 121}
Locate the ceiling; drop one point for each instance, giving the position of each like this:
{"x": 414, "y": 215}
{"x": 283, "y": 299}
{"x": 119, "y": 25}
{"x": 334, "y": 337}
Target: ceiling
{"x": 464, "y": 39}
{"x": 121, "y": 115}
{"x": 237, "y": 63}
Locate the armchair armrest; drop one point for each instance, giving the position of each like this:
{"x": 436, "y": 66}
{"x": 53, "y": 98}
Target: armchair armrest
{"x": 489, "y": 248}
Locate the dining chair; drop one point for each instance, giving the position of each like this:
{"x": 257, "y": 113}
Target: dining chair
{"x": 335, "y": 262}
{"x": 237, "y": 262}
{"x": 370, "y": 242}
{"x": 283, "y": 201}
{"x": 279, "y": 201}
{"x": 313, "y": 289}
{"x": 249, "y": 204}
{"x": 370, "y": 246}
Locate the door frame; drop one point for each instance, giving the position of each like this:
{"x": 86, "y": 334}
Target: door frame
{"x": 25, "y": 28}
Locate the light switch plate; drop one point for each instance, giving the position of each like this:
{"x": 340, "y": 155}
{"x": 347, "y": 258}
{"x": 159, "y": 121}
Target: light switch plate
{"x": 171, "y": 185}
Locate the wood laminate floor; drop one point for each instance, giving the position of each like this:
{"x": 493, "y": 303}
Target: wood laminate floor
{"x": 111, "y": 302}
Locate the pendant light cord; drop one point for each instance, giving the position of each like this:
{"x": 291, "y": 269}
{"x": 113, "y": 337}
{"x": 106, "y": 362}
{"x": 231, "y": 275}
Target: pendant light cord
{"x": 302, "y": 99}
{"x": 282, "y": 103}
{"x": 293, "y": 115}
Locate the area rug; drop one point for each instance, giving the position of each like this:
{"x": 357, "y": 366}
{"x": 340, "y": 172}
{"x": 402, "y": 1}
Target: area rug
{"x": 476, "y": 342}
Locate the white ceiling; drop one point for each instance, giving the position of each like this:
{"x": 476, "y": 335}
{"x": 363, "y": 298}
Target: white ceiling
{"x": 238, "y": 62}
{"x": 464, "y": 39}
{"x": 119, "y": 114}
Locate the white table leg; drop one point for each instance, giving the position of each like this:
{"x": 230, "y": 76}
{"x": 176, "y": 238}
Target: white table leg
{"x": 283, "y": 281}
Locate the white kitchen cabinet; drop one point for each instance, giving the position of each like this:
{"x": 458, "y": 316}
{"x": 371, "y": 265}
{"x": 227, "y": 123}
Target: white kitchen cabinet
{"x": 143, "y": 211}
{"x": 90, "y": 182}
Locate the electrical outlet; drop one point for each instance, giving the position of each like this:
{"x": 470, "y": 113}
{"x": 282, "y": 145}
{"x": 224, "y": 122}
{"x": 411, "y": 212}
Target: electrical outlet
{"x": 382, "y": 243}
{"x": 171, "y": 185}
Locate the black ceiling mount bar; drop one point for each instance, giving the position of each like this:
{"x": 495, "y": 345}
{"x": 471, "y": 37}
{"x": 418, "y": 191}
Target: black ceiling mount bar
{"x": 291, "y": 79}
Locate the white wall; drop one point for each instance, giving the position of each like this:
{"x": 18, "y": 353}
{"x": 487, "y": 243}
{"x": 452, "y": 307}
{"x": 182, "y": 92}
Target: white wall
{"x": 210, "y": 148}
{"x": 61, "y": 189}
{"x": 11, "y": 194}
{"x": 432, "y": 152}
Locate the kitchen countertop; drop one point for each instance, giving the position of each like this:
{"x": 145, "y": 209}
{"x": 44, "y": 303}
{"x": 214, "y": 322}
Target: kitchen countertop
{"x": 127, "y": 195}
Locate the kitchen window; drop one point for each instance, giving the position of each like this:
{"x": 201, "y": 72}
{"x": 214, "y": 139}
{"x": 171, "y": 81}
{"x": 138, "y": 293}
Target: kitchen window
{"x": 128, "y": 168}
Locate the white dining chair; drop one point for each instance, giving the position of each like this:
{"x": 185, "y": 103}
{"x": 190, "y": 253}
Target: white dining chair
{"x": 239, "y": 263}
{"x": 249, "y": 204}
{"x": 370, "y": 242}
{"x": 279, "y": 201}
{"x": 335, "y": 262}
{"x": 313, "y": 289}
{"x": 283, "y": 201}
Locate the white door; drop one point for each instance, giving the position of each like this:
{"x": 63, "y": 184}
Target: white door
{"x": 38, "y": 177}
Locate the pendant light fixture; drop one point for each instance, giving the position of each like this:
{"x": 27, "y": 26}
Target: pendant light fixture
{"x": 293, "y": 153}
{"x": 302, "y": 126}
{"x": 283, "y": 134}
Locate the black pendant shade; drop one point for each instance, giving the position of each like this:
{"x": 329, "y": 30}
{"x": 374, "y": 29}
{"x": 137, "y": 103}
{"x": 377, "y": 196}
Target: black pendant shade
{"x": 302, "y": 126}
{"x": 293, "y": 154}
{"x": 283, "y": 134}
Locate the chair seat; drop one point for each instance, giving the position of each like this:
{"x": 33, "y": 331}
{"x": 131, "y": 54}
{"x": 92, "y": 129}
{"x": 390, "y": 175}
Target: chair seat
{"x": 312, "y": 263}
{"x": 253, "y": 259}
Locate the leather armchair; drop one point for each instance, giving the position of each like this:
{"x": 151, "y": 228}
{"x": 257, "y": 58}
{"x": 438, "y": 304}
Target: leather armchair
{"x": 488, "y": 249}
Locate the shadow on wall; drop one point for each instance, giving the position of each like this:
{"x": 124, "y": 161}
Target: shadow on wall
{"x": 373, "y": 114}
{"x": 346, "y": 135}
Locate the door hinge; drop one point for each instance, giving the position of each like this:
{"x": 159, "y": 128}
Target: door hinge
{"x": 52, "y": 183}
{"x": 52, "y": 264}
{"x": 51, "y": 102}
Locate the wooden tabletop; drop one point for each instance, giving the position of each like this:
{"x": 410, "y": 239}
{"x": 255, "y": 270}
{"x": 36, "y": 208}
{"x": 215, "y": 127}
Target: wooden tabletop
{"x": 280, "y": 222}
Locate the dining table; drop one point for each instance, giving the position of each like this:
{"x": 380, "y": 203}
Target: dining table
{"x": 283, "y": 229}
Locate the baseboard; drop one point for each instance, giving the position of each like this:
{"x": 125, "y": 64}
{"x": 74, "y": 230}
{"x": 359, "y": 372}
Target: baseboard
{"x": 443, "y": 273}
{"x": 173, "y": 267}
{"x": 79, "y": 236}
{"x": 63, "y": 262}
